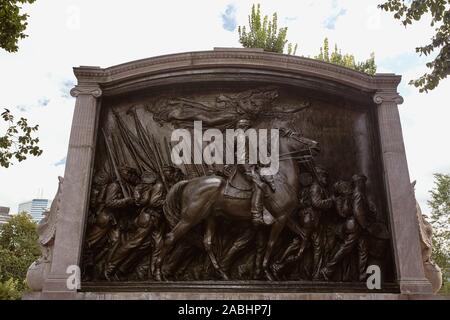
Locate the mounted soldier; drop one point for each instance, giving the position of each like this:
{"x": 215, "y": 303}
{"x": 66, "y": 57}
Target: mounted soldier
{"x": 252, "y": 175}
{"x": 213, "y": 201}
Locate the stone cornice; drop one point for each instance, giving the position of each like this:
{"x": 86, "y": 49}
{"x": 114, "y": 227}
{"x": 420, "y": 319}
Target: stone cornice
{"x": 234, "y": 61}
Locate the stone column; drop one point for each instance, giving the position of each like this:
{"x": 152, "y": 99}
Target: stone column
{"x": 400, "y": 196}
{"x": 75, "y": 196}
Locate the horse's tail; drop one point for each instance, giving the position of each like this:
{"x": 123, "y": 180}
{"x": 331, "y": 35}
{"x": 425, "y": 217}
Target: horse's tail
{"x": 172, "y": 205}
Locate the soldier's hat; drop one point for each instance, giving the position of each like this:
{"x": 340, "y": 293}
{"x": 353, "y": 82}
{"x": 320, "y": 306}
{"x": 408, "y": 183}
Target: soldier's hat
{"x": 342, "y": 187}
{"x": 244, "y": 123}
{"x": 321, "y": 170}
{"x": 169, "y": 168}
{"x": 359, "y": 177}
{"x": 101, "y": 178}
{"x": 148, "y": 177}
{"x": 128, "y": 169}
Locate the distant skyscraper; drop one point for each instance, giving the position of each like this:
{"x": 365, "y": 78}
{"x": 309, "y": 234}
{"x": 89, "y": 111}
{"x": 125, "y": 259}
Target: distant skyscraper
{"x": 4, "y": 215}
{"x": 35, "y": 208}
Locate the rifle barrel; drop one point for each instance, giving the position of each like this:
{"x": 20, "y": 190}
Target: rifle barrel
{"x": 113, "y": 161}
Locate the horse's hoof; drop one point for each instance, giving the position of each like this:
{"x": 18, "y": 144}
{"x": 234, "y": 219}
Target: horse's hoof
{"x": 276, "y": 268}
{"x": 257, "y": 275}
{"x": 268, "y": 275}
{"x": 223, "y": 275}
{"x": 107, "y": 276}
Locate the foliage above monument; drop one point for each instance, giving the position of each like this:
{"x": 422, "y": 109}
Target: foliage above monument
{"x": 264, "y": 33}
{"x": 346, "y": 60}
{"x": 12, "y": 24}
{"x": 407, "y": 11}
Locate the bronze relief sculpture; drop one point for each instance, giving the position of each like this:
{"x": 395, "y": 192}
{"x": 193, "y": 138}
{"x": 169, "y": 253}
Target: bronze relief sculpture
{"x": 315, "y": 219}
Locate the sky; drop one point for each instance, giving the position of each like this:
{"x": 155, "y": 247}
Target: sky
{"x": 35, "y": 82}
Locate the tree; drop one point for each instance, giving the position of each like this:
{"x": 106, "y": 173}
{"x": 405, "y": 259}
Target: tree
{"x": 12, "y": 143}
{"x": 17, "y": 141}
{"x": 9, "y": 290}
{"x": 346, "y": 60}
{"x": 264, "y": 33}
{"x": 12, "y": 24}
{"x": 407, "y": 12}
{"x": 18, "y": 249}
{"x": 440, "y": 220}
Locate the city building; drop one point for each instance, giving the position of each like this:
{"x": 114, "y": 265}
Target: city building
{"x": 35, "y": 208}
{"x": 4, "y": 215}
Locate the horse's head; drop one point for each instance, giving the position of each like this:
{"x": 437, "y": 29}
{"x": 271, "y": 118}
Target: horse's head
{"x": 298, "y": 143}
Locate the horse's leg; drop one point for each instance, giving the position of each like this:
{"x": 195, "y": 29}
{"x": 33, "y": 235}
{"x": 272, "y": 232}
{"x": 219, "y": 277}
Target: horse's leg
{"x": 259, "y": 253}
{"x": 299, "y": 244}
{"x": 177, "y": 256}
{"x": 293, "y": 246}
{"x": 207, "y": 242}
{"x": 276, "y": 268}
{"x": 277, "y": 226}
{"x": 172, "y": 237}
{"x": 191, "y": 216}
{"x": 280, "y": 264}
{"x": 238, "y": 245}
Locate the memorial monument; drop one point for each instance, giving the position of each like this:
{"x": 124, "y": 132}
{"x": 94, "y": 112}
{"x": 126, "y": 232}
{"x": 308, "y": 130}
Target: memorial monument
{"x": 129, "y": 221}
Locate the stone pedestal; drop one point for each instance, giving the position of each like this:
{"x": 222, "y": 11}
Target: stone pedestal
{"x": 236, "y": 296}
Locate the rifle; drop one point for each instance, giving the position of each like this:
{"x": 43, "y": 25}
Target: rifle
{"x": 113, "y": 161}
{"x": 126, "y": 137}
{"x": 143, "y": 141}
{"x": 158, "y": 159}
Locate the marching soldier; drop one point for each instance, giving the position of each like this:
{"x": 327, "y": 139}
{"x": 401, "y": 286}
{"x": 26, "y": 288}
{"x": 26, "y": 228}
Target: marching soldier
{"x": 354, "y": 230}
{"x": 148, "y": 197}
{"x": 314, "y": 202}
{"x": 120, "y": 204}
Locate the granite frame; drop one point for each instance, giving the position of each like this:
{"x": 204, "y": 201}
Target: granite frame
{"x": 226, "y": 64}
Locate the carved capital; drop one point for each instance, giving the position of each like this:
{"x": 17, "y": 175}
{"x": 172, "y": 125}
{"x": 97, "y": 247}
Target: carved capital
{"x": 383, "y": 97}
{"x": 94, "y": 91}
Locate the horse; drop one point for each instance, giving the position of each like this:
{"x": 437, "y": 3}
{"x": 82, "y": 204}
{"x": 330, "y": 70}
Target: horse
{"x": 202, "y": 199}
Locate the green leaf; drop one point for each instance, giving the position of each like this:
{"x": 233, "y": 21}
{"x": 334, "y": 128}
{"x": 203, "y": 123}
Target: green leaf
{"x": 264, "y": 33}
{"x": 440, "y": 18}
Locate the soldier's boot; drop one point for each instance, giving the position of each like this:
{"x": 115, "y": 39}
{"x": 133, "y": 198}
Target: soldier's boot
{"x": 257, "y": 206}
{"x": 270, "y": 181}
{"x": 272, "y": 185}
{"x": 110, "y": 273}
{"x": 107, "y": 273}
{"x": 324, "y": 274}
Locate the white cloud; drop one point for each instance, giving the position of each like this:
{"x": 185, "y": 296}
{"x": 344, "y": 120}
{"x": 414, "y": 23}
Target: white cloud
{"x": 229, "y": 18}
{"x": 68, "y": 33}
